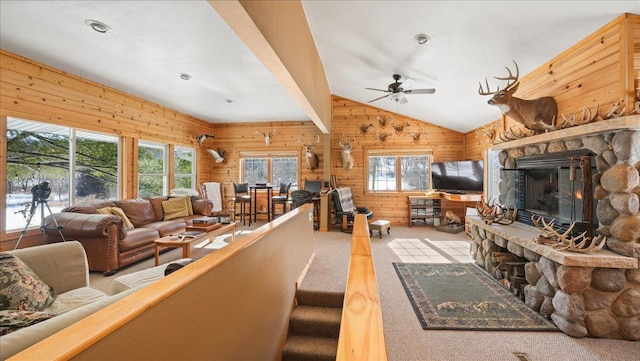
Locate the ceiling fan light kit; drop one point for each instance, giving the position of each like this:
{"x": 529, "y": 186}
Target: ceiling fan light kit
{"x": 398, "y": 89}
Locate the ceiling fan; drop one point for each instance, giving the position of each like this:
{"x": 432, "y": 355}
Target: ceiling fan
{"x": 398, "y": 89}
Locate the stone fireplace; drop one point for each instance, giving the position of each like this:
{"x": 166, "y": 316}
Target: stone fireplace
{"x": 588, "y": 174}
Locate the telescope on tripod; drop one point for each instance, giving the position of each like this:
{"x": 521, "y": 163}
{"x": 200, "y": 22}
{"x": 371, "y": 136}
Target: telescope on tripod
{"x": 40, "y": 193}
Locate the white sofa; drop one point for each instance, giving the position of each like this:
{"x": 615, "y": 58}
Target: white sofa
{"x": 64, "y": 267}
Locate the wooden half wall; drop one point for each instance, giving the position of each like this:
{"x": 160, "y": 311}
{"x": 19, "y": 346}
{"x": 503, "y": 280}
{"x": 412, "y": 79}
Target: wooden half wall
{"x": 232, "y": 304}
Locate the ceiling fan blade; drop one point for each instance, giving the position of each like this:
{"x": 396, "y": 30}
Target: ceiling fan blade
{"x": 403, "y": 100}
{"x": 384, "y": 96}
{"x": 408, "y": 84}
{"x": 420, "y": 91}
{"x": 380, "y": 90}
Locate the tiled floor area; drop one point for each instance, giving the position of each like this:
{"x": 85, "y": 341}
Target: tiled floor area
{"x": 425, "y": 250}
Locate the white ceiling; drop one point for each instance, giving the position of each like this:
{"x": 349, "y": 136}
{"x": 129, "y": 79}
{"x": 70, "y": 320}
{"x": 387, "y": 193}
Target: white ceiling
{"x": 361, "y": 44}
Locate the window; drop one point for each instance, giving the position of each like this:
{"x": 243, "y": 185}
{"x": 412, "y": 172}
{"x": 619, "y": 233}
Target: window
{"x": 40, "y": 152}
{"x": 184, "y": 175}
{"x": 270, "y": 168}
{"x": 397, "y": 171}
{"x": 152, "y": 173}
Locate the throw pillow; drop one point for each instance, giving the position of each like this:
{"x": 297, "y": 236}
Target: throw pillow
{"x": 117, "y": 212}
{"x": 13, "y": 320}
{"x": 187, "y": 200}
{"x": 20, "y": 288}
{"x": 175, "y": 208}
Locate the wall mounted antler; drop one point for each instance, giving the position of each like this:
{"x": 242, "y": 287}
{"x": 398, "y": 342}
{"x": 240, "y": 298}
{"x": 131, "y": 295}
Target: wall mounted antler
{"x": 494, "y": 212}
{"x": 415, "y": 137}
{"x": 347, "y": 158}
{"x": 382, "y": 137}
{"x": 267, "y": 136}
{"x": 563, "y": 242}
{"x": 382, "y": 122}
{"x": 311, "y": 157}
{"x": 364, "y": 129}
{"x": 533, "y": 114}
{"x": 399, "y": 128}
{"x": 202, "y": 137}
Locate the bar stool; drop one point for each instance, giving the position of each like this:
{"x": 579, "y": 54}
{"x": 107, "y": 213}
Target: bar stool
{"x": 242, "y": 197}
{"x": 282, "y": 198}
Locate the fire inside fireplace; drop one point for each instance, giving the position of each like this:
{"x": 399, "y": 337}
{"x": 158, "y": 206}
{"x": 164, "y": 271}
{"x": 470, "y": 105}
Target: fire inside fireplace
{"x": 553, "y": 185}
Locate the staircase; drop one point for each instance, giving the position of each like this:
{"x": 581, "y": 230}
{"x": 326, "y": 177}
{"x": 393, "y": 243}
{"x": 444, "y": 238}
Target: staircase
{"x": 314, "y": 326}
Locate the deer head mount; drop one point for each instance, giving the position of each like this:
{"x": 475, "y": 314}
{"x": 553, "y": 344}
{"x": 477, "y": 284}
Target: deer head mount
{"x": 267, "y": 136}
{"x": 347, "y": 158}
{"x": 382, "y": 122}
{"x": 399, "y": 128}
{"x": 382, "y": 137}
{"x": 310, "y": 156}
{"x": 364, "y": 129}
{"x": 415, "y": 137}
{"x": 563, "y": 242}
{"x": 535, "y": 114}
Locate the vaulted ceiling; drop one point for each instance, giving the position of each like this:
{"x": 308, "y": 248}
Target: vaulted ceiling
{"x": 361, "y": 44}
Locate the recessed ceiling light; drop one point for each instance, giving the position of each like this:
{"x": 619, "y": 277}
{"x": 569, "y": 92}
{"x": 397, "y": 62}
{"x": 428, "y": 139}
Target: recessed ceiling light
{"x": 185, "y": 76}
{"x": 98, "y": 26}
{"x": 422, "y": 39}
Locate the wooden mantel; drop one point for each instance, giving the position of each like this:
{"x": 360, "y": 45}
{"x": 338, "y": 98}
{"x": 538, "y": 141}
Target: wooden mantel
{"x": 580, "y": 131}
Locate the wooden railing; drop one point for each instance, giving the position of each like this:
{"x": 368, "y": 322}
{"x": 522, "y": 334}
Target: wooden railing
{"x": 361, "y": 333}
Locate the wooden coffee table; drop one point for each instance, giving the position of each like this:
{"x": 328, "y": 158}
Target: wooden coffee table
{"x": 185, "y": 244}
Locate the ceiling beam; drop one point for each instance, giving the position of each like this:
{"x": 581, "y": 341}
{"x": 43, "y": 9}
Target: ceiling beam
{"x": 278, "y": 33}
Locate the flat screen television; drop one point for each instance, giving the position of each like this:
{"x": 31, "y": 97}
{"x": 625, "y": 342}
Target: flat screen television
{"x": 458, "y": 177}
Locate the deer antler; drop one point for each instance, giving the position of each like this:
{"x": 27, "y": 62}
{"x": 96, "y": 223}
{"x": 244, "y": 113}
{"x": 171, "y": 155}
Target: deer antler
{"x": 511, "y": 81}
{"x": 383, "y": 121}
{"x": 561, "y": 241}
{"x": 415, "y": 137}
{"x": 615, "y": 111}
{"x": 494, "y": 212}
{"x": 512, "y": 134}
{"x": 382, "y": 137}
{"x": 364, "y": 129}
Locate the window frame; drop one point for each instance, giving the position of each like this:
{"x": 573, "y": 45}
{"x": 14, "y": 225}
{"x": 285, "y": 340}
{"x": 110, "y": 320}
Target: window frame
{"x": 194, "y": 166}
{"x": 269, "y": 156}
{"x": 165, "y": 166}
{"x": 398, "y": 153}
{"x": 72, "y": 134}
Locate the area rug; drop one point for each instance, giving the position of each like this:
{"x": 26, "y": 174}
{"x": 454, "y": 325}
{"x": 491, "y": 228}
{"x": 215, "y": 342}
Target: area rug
{"x": 460, "y": 296}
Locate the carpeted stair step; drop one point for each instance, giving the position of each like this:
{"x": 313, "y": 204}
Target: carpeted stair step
{"x": 304, "y": 348}
{"x": 315, "y": 321}
{"x": 320, "y": 298}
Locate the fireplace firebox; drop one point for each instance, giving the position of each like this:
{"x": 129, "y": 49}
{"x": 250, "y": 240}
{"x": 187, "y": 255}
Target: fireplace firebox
{"x": 554, "y": 186}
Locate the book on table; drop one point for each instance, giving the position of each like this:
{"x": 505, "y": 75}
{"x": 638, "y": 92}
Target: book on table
{"x": 187, "y": 234}
{"x": 205, "y": 221}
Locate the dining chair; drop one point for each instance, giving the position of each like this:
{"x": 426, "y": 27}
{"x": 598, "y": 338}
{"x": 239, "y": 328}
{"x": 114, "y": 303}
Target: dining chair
{"x": 243, "y": 198}
{"x": 282, "y": 198}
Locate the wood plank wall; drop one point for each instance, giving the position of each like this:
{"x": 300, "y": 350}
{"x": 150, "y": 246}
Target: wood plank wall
{"x": 445, "y": 144}
{"x": 34, "y": 91}
{"x": 601, "y": 69}
{"x": 242, "y": 137}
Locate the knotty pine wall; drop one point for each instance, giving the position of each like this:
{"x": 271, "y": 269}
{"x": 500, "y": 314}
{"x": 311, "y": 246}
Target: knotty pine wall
{"x": 446, "y": 145}
{"x": 237, "y": 138}
{"x": 34, "y": 91}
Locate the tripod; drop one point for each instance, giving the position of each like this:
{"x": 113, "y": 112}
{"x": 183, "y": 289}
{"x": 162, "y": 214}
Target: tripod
{"x": 40, "y": 201}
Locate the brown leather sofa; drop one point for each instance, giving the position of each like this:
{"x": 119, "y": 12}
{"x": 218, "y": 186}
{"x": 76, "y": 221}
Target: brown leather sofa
{"x": 107, "y": 241}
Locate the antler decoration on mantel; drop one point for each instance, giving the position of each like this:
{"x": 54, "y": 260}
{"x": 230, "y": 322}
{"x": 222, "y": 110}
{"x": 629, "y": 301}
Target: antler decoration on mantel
{"x": 202, "y": 137}
{"x": 563, "y": 242}
{"x": 494, "y": 212}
